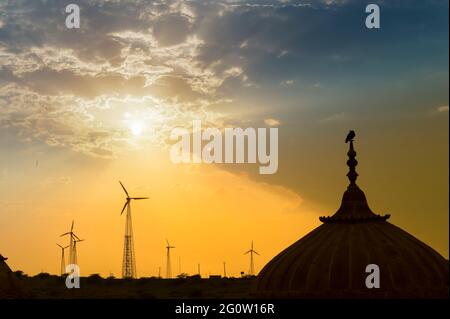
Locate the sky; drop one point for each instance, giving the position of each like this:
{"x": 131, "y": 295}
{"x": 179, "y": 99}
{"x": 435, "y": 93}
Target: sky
{"x": 81, "y": 109}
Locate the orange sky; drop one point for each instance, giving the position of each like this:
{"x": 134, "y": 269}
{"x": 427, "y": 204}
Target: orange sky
{"x": 209, "y": 214}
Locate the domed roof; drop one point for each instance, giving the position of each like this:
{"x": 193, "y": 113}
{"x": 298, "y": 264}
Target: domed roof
{"x": 330, "y": 261}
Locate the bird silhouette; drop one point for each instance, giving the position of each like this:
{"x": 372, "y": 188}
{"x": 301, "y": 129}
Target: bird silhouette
{"x": 350, "y": 136}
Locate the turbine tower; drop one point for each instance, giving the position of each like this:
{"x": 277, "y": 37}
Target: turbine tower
{"x": 129, "y": 258}
{"x": 72, "y": 238}
{"x": 63, "y": 259}
{"x": 252, "y": 267}
{"x": 169, "y": 268}
{"x": 75, "y": 258}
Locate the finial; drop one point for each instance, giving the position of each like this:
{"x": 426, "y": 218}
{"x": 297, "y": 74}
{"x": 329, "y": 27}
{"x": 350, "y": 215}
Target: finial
{"x": 354, "y": 207}
{"x": 352, "y": 162}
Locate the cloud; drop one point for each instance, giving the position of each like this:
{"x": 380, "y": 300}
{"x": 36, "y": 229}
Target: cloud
{"x": 56, "y": 181}
{"x": 287, "y": 83}
{"x": 91, "y": 126}
{"x": 176, "y": 59}
{"x": 442, "y": 109}
{"x": 171, "y": 29}
{"x": 337, "y": 117}
{"x": 282, "y": 53}
{"x": 272, "y": 122}
{"x": 65, "y": 180}
{"x": 244, "y": 44}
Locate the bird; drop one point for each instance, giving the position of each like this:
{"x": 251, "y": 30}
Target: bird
{"x": 350, "y": 136}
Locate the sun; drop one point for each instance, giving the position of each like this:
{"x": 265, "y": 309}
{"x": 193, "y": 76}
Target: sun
{"x": 136, "y": 128}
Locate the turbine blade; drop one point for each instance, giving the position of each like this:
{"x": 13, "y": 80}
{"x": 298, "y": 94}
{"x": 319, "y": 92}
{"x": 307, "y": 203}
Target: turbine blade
{"x": 124, "y": 189}
{"x": 60, "y": 246}
{"x": 73, "y": 234}
{"x": 71, "y": 229}
{"x": 124, "y": 206}
{"x": 139, "y": 198}
{"x": 168, "y": 245}
{"x": 67, "y": 247}
{"x": 247, "y": 252}
{"x": 64, "y": 234}
{"x": 256, "y": 252}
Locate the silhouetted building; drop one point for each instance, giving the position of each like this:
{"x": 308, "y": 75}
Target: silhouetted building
{"x": 9, "y": 287}
{"x": 331, "y": 261}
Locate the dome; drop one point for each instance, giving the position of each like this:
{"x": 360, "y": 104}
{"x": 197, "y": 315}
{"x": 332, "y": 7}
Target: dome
{"x": 331, "y": 261}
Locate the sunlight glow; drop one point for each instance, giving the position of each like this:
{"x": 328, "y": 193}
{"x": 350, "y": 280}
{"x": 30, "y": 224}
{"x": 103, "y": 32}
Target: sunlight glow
{"x": 136, "y": 128}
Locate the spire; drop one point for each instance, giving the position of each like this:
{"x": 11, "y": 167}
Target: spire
{"x": 351, "y": 163}
{"x": 354, "y": 207}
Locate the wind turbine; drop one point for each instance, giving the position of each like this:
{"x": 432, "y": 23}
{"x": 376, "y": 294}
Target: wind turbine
{"x": 72, "y": 238}
{"x": 63, "y": 259}
{"x": 251, "y": 252}
{"x": 169, "y": 268}
{"x": 75, "y": 258}
{"x": 129, "y": 258}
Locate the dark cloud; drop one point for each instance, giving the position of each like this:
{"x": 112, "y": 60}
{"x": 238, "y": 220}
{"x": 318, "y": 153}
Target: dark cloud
{"x": 197, "y": 51}
{"x": 269, "y": 40}
{"x": 171, "y": 29}
{"x": 326, "y": 42}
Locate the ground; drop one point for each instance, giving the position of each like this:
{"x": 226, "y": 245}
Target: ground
{"x": 44, "y": 286}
